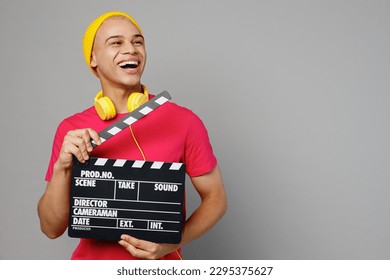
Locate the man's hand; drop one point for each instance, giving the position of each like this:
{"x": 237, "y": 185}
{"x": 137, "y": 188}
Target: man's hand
{"x": 53, "y": 207}
{"x": 77, "y": 143}
{"x": 143, "y": 249}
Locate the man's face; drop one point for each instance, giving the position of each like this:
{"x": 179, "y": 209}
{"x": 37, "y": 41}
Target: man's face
{"x": 119, "y": 54}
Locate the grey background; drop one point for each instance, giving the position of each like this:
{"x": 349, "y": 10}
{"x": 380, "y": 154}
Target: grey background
{"x": 295, "y": 95}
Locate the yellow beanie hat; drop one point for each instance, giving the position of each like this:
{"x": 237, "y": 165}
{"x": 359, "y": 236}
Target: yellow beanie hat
{"x": 89, "y": 35}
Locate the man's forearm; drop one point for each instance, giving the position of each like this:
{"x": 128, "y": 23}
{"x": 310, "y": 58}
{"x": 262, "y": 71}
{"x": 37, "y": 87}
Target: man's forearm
{"x": 53, "y": 207}
{"x": 210, "y": 211}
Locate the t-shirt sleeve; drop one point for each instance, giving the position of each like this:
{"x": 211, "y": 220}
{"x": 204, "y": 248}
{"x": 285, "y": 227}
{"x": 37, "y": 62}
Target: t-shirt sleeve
{"x": 199, "y": 155}
{"x": 57, "y": 143}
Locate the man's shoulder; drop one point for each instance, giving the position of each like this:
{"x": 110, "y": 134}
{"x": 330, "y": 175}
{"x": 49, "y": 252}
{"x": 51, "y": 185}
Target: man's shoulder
{"x": 81, "y": 119}
{"x": 178, "y": 108}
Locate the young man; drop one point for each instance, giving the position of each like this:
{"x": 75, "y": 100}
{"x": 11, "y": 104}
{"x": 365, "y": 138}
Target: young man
{"x": 114, "y": 49}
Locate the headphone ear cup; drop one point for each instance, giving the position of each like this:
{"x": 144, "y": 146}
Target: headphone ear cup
{"x": 105, "y": 108}
{"x": 135, "y": 100}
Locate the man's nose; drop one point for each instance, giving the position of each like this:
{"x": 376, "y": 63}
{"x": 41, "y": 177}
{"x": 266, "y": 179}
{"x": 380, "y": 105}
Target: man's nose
{"x": 128, "y": 48}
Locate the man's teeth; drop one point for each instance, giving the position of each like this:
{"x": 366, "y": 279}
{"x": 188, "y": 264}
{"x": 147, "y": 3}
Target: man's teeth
{"x": 128, "y": 64}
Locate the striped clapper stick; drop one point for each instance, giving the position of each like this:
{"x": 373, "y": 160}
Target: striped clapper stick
{"x": 110, "y": 197}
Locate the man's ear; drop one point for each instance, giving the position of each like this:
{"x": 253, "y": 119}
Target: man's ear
{"x": 93, "y": 60}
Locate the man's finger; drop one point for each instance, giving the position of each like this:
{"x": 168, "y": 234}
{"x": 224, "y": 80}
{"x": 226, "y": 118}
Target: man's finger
{"x": 138, "y": 253}
{"x": 138, "y": 243}
{"x": 95, "y": 137}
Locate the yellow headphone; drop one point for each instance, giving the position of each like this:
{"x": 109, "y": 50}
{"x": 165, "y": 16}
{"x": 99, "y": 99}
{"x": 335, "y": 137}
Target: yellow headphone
{"x": 106, "y": 109}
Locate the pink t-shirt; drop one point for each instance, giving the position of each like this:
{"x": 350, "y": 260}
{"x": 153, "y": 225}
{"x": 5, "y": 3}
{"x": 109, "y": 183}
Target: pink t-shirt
{"x": 170, "y": 133}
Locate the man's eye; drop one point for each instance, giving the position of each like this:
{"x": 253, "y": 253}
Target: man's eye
{"x": 118, "y": 43}
{"x": 138, "y": 43}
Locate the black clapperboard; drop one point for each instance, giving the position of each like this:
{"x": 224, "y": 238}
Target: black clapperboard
{"x": 144, "y": 199}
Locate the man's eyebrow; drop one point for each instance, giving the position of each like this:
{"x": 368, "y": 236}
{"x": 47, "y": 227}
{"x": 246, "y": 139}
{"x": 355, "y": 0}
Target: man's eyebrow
{"x": 114, "y": 37}
{"x": 121, "y": 37}
{"x": 138, "y": 36}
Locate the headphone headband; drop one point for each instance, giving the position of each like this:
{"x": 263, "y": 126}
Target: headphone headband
{"x": 106, "y": 108}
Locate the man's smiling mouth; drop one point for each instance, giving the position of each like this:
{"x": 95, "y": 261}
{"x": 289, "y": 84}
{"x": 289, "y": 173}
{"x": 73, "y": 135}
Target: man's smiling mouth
{"x": 128, "y": 64}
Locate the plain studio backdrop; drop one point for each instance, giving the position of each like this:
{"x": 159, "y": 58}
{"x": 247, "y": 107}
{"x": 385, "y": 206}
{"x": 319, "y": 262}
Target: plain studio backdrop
{"x": 295, "y": 96}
